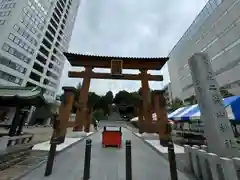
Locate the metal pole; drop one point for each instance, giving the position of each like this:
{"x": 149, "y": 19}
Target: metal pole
{"x": 51, "y": 155}
{"x": 128, "y": 160}
{"x": 86, "y": 172}
{"x": 172, "y": 161}
{"x": 53, "y": 147}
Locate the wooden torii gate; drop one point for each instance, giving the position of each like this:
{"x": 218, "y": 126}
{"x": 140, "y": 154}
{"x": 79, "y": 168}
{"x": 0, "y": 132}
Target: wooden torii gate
{"x": 117, "y": 64}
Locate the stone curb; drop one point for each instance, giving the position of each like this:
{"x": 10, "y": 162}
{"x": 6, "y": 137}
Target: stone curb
{"x": 45, "y": 160}
{"x": 151, "y": 146}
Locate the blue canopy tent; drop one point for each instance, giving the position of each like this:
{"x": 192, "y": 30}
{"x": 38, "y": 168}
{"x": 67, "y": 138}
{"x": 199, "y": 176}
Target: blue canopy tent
{"x": 232, "y": 106}
{"x": 176, "y": 112}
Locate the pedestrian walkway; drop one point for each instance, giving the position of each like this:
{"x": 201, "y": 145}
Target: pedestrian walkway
{"x": 108, "y": 163}
{"x": 153, "y": 140}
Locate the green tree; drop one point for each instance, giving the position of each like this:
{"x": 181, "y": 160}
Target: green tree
{"x": 109, "y": 97}
{"x": 98, "y": 114}
{"x": 127, "y": 102}
{"x": 93, "y": 99}
{"x": 136, "y": 101}
{"x": 191, "y": 100}
{"x": 122, "y": 97}
{"x": 135, "y": 98}
{"x": 102, "y": 104}
{"x": 177, "y": 103}
{"x": 77, "y": 94}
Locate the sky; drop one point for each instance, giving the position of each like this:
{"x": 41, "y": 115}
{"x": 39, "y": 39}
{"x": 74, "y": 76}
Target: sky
{"x": 138, "y": 28}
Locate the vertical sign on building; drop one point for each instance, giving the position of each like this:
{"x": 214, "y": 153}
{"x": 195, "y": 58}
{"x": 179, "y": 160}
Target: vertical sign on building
{"x": 116, "y": 67}
{"x": 217, "y": 128}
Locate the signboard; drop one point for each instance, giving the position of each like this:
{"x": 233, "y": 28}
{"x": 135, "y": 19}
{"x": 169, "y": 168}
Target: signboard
{"x": 116, "y": 67}
{"x": 217, "y": 128}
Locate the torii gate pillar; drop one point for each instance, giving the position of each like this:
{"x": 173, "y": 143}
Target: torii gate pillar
{"x": 140, "y": 119}
{"x": 145, "y": 93}
{"x": 162, "y": 119}
{"x": 82, "y": 108}
{"x": 61, "y": 123}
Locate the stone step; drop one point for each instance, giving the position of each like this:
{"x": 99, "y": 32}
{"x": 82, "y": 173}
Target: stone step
{"x": 22, "y": 167}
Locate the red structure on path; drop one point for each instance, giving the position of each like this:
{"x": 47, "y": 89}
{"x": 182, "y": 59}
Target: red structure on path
{"x": 112, "y": 137}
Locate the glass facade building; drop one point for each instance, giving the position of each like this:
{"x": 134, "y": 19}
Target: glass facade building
{"x": 216, "y": 31}
{"x": 34, "y": 35}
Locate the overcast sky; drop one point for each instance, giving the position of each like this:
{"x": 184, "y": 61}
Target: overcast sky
{"x": 148, "y": 28}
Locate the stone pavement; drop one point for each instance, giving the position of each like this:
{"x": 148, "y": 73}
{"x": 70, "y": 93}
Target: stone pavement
{"x": 181, "y": 158}
{"x": 108, "y": 163}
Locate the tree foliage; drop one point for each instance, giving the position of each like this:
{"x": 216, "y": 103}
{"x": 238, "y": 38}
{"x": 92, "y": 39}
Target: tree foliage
{"x": 177, "y": 103}
{"x": 129, "y": 100}
{"x": 109, "y": 97}
{"x": 191, "y": 100}
{"x": 93, "y": 99}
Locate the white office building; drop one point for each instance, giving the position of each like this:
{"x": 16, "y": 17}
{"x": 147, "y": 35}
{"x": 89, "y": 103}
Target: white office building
{"x": 216, "y": 30}
{"x": 168, "y": 93}
{"x": 33, "y": 36}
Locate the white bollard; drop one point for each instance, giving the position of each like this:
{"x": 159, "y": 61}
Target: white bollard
{"x": 3, "y": 143}
{"x": 229, "y": 172}
{"x": 187, "y": 150}
{"x": 204, "y": 166}
{"x": 214, "y": 162}
{"x": 236, "y": 162}
{"x": 195, "y": 161}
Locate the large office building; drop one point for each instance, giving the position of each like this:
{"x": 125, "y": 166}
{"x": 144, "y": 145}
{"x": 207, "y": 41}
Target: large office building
{"x": 34, "y": 35}
{"x": 216, "y": 31}
{"x": 168, "y": 93}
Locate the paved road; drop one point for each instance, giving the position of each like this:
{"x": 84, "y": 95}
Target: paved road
{"x": 108, "y": 163}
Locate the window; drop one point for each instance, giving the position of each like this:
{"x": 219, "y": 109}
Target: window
{"x": 16, "y": 27}
{"x": 11, "y": 51}
{"x": 8, "y": 77}
{"x": 24, "y": 34}
{"x": 2, "y": 22}
{"x": 25, "y": 47}
{"x": 7, "y": 6}
{"x": 16, "y": 40}
{"x": 6, "y": 62}
{"x": 33, "y": 30}
{"x": 11, "y": 36}
{"x": 6, "y": 13}
{"x": 21, "y": 44}
{"x": 15, "y": 53}
{"x": 6, "y": 47}
{"x": 31, "y": 18}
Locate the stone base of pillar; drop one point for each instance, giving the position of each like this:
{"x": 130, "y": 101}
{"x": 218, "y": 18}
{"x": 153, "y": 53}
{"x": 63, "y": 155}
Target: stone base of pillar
{"x": 149, "y": 135}
{"x": 77, "y": 129}
{"x": 149, "y": 128}
{"x": 88, "y": 123}
{"x": 140, "y": 131}
{"x": 86, "y": 129}
{"x": 78, "y": 134}
{"x": 140, "y": 127}
{"x": 164, "y": 142}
